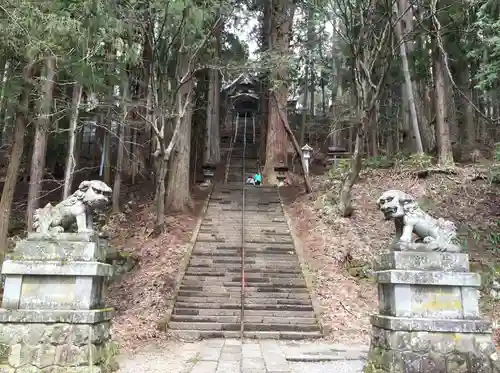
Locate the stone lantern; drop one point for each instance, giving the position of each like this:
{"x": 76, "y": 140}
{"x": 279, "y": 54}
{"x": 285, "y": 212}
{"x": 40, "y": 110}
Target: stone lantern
{"x": 209, "y": 172}
{"x": 306, "y": 155}
{"x": 281, "y": 171}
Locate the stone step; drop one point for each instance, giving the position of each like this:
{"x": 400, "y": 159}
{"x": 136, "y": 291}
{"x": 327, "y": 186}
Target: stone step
{"x": 292, "y": 281}
{"x": 207, "y": 319}
{"x": 210, "y": 282}
{"x": 214, "y": 272}
{"x": 261, "y": 301}
{"x": 210, "y": 261}
{"x": 215, "y": 305}
{"x": 278, "y": 327}
{"x": 212, "y": 294}
{"x": 278, "y": 307}
{"x": 204, "y": 325}
{"x": 277, "y": 287}
{"x": 187, "y": 334}
{"x": 207, "y": 312}
{"x": 215, "y": 253}
{"x": 285, "y": 295}
{"x": 211, "y": 299}
{"x": 249, "y": 269}
{"x": 194, "y": 271}
{"x": 268, "y": 275}
{"x": 270, "y": 239}
{"x": 271, "y": 290}
{"x": 279, "y": 314}
{"x": 270, "y": 254}
{"x": 280, "y": 320}
{"x": 282, "y": 335}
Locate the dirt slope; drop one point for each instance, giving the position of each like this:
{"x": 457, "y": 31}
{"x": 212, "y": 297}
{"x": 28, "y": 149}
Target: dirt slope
{"x": 142, "y": 295}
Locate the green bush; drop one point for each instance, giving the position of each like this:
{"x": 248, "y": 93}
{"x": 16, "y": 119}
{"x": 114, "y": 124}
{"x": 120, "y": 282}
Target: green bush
{"x": 493, "y": 238}
{"x": 494, "y": 171}
{"x": 414, "y": 160}
{"x": 380, "y": 161}
{"x": 339, "y": 171}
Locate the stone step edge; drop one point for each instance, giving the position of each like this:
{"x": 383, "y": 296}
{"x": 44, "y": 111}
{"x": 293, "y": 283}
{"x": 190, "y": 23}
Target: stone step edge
{"x": 193, "y": 335}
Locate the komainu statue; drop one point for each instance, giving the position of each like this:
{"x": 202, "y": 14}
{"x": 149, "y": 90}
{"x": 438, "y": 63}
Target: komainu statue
{"x": 77, "y": 208}
{"x": 409, "y": 218}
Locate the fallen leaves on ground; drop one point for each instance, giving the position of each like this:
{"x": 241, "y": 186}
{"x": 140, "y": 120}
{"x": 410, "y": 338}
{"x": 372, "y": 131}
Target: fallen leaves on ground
{"x": 328, "y": 241}
{"x": 141, "y": 297}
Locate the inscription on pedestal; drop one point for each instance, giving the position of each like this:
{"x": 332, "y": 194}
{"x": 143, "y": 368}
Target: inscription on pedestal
{"x": 39, "y": 292}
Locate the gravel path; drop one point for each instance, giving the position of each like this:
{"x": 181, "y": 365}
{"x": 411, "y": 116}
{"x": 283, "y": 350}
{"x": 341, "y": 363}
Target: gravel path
{"x": 249, "y": 356}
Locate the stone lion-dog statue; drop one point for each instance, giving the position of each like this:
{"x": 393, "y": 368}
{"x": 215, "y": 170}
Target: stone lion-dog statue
{"x": 77, "y": 208}
{"x": 409, "y": 218}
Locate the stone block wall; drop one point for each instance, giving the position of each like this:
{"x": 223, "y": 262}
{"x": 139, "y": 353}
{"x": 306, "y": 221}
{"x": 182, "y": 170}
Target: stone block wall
{"x": 56, "y": 348}
{"x": 430, "y": 352}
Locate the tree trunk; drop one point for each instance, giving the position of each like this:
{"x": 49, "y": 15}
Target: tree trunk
{"x": 469, "y": 125}
{"x": 311, "y": 38}
{"x": 443, "y": 142}
{"x": 40, "y": 142}
{"x": 408, "y": 83}
{"x": 107, "y": 147}
{"x": 293, "y": 140}
{"x": 374, "y": 132}
{"x": 78, "y": 146}
{"x": 345, "y": 203}
{"x": 4, "y": 100}
{"x": 73, "y": 125}
{"x": 216, "y": 118}
{"x": 277, "y": 140}
{"x": 121, "y": 147}
{"x": 178, "y": 190}
{"x": 264, "y": 86}
{"x": 16, "y": 156}
{"x": 264, "y": 116}
{"x": 212, "y": 149}
{"x": 134, "y": 155}
{"x": 305, "y": 106}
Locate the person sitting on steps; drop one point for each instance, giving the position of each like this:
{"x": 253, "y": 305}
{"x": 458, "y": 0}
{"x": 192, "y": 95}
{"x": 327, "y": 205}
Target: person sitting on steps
{"x": 257, "y": 179}
{"x": 250, "y": 180}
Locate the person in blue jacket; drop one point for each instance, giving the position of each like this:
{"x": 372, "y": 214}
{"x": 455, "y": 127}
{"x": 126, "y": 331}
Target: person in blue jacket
{"x": 257, "y": 178}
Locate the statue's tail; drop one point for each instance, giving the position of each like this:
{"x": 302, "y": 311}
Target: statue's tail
{"x": 449, "y": 228}
{"x": 38, "y": 217}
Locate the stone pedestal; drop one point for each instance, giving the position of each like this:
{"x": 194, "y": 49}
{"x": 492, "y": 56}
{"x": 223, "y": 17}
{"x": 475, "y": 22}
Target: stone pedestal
{"x": 428, "y": 320}
{"x": 53, "y": 317}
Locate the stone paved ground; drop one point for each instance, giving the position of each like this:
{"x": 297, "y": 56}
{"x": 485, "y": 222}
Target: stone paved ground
{"x": 250, "y": 356}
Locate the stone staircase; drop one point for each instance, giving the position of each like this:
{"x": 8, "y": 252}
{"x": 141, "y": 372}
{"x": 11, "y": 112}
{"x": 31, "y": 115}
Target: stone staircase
{"x": 276, "y": 302}
{"x": 208, "y": 303}
{"x": 243, "y": 243}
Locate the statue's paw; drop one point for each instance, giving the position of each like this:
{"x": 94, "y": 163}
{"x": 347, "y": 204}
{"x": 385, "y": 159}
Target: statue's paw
{"x": 57, "y": 230}
{"x": 428, "y": 239}
{"x": 85, "y": 230}
{"x": 404, "y": 246}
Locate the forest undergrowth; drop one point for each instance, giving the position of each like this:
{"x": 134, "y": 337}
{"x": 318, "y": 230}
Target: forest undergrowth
{"x": 339, "y": 252}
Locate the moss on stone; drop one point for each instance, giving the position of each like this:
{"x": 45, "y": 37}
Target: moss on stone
{"x": 4, "y": 354}
{"x": 108, "y": 357}
{"x": 376, "y": 361}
